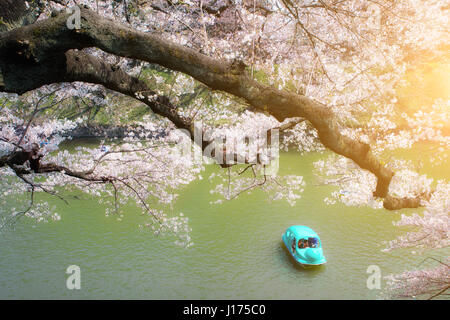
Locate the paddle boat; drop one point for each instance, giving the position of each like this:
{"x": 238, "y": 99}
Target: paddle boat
{"x": 304, "y": 245}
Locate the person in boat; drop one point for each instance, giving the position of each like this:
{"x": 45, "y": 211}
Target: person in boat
{"x": 313, "y": 242}
{"x": 302, "y": 244}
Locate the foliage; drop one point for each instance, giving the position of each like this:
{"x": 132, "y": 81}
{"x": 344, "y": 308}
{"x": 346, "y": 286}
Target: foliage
{"x": 361, "y": 57}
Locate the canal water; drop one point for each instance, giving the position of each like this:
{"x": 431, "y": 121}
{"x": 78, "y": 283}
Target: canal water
{"x": 237, "y": 252}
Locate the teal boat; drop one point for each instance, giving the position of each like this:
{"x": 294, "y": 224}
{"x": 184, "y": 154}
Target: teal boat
{"x": 304, "y": 245}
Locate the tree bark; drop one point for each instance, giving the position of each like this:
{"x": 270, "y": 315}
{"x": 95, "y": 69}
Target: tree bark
{"x": 14, "y": 14}
{"x": 40, "y": 54}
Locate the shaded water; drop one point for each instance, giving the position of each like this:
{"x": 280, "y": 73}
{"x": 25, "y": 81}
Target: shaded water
{"x": 237, "y": 252}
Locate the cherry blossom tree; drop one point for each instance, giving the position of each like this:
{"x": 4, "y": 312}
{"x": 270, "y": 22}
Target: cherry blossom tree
{"x": 431, "y": 231}
{"x": 324, "y": 73}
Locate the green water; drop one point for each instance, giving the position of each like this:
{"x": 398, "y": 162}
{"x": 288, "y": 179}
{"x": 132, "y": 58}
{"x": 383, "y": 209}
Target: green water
{"x": 238, "y": 253}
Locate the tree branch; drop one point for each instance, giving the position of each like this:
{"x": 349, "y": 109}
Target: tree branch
{"x": 39, "y": 54}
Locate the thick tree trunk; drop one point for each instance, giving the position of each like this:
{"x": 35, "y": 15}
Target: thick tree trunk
{"x": 40, "y": 54}
{"x": 11, "y": 12}
{"x": 15, "y": 13}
